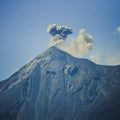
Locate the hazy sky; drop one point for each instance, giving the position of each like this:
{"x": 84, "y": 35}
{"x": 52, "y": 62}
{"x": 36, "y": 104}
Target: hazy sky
{"x": 23, "y": 26}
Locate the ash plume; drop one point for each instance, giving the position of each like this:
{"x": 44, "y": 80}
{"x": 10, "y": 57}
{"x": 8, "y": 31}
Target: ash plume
{"x": 61, "y": 30}
{"x": 78, "y": 46}
{"x": 59, "y": 34}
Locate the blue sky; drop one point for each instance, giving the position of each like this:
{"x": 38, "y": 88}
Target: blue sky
{"x": 23, "y": 26}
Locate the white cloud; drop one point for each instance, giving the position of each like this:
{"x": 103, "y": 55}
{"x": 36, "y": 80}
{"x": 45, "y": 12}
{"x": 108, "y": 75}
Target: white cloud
{"x": 118, "y": 29}
{"x": 105, "y": 59}
{"x": 81, "y": 45}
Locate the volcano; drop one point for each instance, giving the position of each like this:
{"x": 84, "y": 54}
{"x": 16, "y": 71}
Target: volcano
{"x": 58, "y": 86}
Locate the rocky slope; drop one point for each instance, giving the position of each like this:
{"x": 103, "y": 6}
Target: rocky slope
{"x": 57, "y": 86}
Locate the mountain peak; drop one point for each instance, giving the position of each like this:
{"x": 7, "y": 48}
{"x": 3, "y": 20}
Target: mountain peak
{"x": 53, "y": 51}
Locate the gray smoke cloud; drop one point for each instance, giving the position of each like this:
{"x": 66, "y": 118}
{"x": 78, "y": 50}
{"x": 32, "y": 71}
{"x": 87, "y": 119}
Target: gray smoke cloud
{"x": 59, "y": 34}
{"x": 61, "y": 31}
{"x": 77, "y": 47}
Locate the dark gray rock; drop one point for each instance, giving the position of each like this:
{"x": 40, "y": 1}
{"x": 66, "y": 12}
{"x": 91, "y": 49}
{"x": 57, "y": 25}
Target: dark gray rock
{"x": 57, "y": 86}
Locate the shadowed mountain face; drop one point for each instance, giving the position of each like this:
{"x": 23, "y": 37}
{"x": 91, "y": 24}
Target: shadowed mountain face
{"x": 57, "y": 86}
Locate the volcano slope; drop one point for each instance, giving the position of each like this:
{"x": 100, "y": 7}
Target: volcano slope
{"x": 58, "y": 86}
